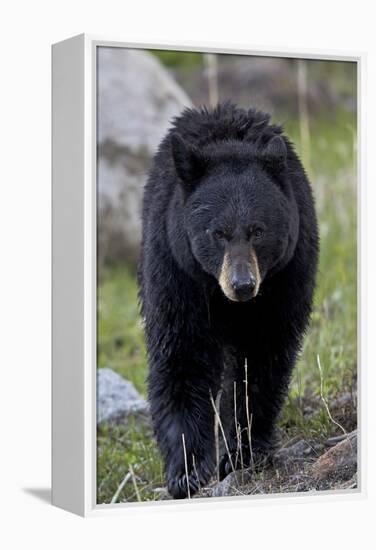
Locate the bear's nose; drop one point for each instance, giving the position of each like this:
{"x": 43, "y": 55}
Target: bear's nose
{"x": 243, "y": 282}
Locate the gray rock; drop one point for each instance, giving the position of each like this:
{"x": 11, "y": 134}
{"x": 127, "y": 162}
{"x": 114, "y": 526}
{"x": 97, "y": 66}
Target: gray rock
{"x": 298, "y": 451}
{"x": 338, "y": 438}
{"x": 230, "y": 484}
{"x": 137, "y": 99}
{"x": 343, "y": 401}
{"x": 161, "y": 493}
{"x": 118, "y": 399}
{"x": 338, "y": 462}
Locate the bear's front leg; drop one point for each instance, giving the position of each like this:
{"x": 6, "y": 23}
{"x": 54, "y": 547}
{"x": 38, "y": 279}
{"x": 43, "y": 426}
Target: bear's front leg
{"x": 261, "y": 387}
{"x": 185, "y": 368}
{"x": 183, "y": 419}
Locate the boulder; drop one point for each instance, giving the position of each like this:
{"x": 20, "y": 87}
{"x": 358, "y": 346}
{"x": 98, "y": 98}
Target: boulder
{"x": 300, "y": 451}
{"x": 118, "y": 399}
{"x": 137, "y": 99}
{"x": 230, "y": 484}
{"x": 338, "y": 463}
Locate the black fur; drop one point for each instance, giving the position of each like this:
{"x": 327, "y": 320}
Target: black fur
{"x": 218, "y": 173}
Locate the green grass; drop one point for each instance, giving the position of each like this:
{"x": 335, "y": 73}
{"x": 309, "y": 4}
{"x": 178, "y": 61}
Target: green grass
{"x": 120, "y": 336}
{"x": 118, "y": 449}
{"x": 332, "y": 334}
{"x": 333, "y": 330}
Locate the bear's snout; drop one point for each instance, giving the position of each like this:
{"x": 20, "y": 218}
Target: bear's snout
{"x": 239, "y": 279}
{"x": 243, "y": 281}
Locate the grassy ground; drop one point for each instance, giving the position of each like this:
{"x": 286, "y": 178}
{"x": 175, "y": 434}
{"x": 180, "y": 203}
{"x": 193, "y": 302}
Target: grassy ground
{"x": 332, "y": 335}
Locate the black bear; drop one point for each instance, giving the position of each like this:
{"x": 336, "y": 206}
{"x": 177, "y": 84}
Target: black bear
{"x": 227, "y": 274}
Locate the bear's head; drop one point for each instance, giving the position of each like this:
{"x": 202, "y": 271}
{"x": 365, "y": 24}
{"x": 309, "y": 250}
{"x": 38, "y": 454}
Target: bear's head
{"x": 239, "y": 211}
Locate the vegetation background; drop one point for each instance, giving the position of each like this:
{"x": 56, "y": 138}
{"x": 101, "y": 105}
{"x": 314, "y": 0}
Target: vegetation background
{"x": 316, "y": 103}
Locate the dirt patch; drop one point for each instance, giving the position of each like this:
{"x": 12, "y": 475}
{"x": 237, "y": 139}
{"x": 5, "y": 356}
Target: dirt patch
{"x": 304, "y": 466}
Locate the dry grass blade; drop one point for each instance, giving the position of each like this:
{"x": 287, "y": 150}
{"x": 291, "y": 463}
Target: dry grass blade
{"x": 196, "y": 472}
{"x": 239, "y": 449}
{"x": 305, "y": 134}
{"x": 240, "y": 446}
{"x": 325, "y": 402}
{"x": 120, "y": 488}
{"x": 222, "y": 431}
{"x": 211, "y": 62}
{"x": 249, "y": 416}
{"x": 135, "y": 483}
{"x": 216, "y": 434}
{"x": 186, "y": 466}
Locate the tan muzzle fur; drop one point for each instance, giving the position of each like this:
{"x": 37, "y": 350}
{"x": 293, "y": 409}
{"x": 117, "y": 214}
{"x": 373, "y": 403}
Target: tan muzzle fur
{"x": 225, "y": 276}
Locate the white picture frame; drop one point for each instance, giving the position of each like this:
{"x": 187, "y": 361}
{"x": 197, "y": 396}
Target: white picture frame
{"x": 74, "y": 275}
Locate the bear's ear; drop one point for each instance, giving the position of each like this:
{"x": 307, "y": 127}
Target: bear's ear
{"x": 190, "y": 163}
{"x": 276, "y": 148}
{"x": 274, "y": 153}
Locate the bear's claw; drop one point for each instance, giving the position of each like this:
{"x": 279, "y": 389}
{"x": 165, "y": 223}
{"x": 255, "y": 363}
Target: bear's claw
{"x": 198, "y": 477}
{"x": 259, "y": 459}
{"x": 178, "y": 486}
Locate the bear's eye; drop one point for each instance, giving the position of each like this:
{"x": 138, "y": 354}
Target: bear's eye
{"x": 218, "y": 234}
{"x": 258, "y": 232}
